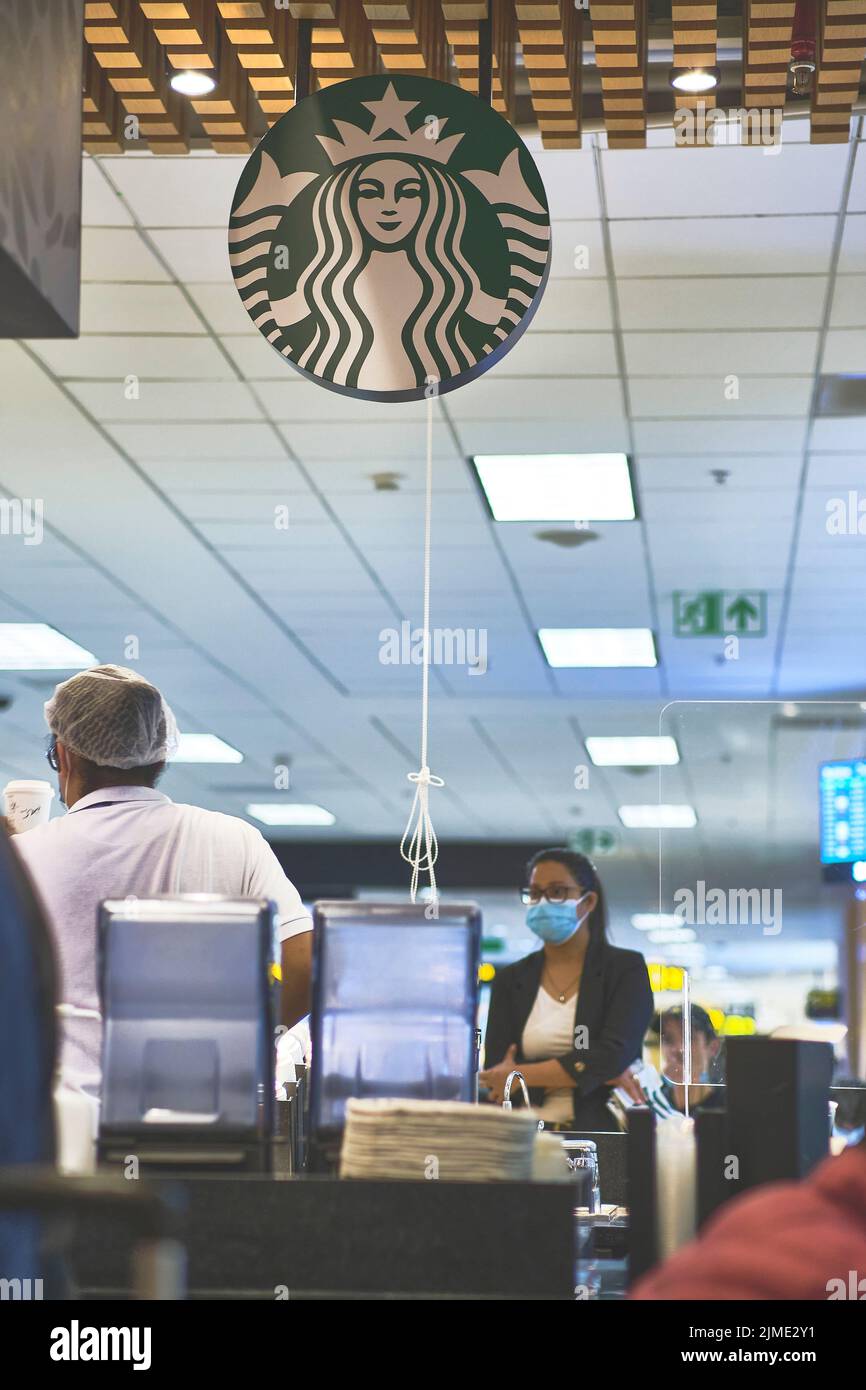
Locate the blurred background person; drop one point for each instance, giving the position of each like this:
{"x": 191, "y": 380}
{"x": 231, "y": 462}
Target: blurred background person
{"x": 572, "y": 1015}
{"x": 705, "y": 1060}
{"x": 111, "y": 735}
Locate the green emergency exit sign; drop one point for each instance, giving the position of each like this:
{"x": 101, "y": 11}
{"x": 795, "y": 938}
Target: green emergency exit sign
{"x": 720, "y": 613}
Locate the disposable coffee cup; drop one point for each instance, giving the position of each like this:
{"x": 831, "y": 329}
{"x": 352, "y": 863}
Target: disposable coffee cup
{"x": 27, "y": 804}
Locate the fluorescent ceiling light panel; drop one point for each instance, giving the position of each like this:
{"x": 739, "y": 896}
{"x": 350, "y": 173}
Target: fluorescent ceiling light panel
{"x": 289, "y": 813}
{"x": 672, "y": 936}
{"x": 654, "y": 751}
{"x": 649, "y": 921}
{"x": 556, "y": 487}
{"x": 38, "y": 647}
{"x": 598, "y": 646}
{"x": 656, "y": 817}
{"x": 205, "y": 748}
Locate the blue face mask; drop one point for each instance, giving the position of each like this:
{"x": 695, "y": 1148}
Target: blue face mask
{"x": 554, "y": 922}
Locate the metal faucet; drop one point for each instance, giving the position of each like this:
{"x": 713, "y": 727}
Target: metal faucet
{"x": 506, "y": 1093}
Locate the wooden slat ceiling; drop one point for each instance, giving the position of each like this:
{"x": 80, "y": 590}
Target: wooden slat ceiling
{"x": 551, "y": 38}
{"x": 767, "y": 53}
{"x": 695, "y": 32}
{"x": 411, "y": 37}
{"x": 841, "y": 52}
{"x": 619, "y": 35}
{"x": 133, "y": 46}
{"x": 461, "y": 30}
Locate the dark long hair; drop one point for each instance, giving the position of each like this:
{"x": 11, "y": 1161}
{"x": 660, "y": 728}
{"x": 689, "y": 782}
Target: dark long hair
{"x": 584, "y": 872}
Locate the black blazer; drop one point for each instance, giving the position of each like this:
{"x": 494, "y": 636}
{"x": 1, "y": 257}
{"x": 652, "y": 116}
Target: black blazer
{"x": 614, "y": 1004}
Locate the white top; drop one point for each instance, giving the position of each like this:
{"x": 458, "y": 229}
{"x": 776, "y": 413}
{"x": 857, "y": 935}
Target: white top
{"x": 134, "y": 841}
{"x": 549, "y": 1032}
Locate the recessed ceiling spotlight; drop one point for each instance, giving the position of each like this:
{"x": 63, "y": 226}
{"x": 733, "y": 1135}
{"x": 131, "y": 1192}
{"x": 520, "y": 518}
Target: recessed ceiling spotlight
{"x": 694, "y": 80}
{"x": 193, "y": 83}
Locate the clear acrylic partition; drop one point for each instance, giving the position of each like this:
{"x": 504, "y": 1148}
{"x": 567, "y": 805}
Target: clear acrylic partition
{"x": 758, "y": 898}
{"x": 395, "y": 998}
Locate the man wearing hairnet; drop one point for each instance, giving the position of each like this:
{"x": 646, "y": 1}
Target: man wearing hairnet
{"x": 112, "y": 733}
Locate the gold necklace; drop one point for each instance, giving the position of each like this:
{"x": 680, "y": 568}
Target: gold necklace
{"x": 561, "y": 997}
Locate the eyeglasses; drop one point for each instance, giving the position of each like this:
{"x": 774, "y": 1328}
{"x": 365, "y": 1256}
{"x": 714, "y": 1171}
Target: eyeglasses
{"x": 557, "y": 893}
{"x": 51, "y": 755}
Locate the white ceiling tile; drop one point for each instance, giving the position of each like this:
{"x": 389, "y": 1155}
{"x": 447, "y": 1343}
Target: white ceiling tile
{"x": 164, "y": 400}
{"x": 201, "y": 441}
{"x": 777, "y": 302}
{"x": 136, "y": 309}
{"x": 835, "y": 470}
{"x": 714, "y": 353}
{"x": 369, "y": 444}
{"x": 117, "y": 253}
{"x": 852, "y": 253}
{"x": 255, "y": 358}
{"x": 723, "y": 245}
{"x": 744, "y": 475}
{"x": 773, "y": 396}
{"x": 845, "y": 434}
{"x": 157, "y": 358}
{"x": 101, "y": 206}
{"x": 195, "y": 192}
{"x": 550, "y": 400}
{"x": 572, "y": 305}
{"x": 195, "y": 253}
{"x": 719, "y": 436}
{"x": 222, "y": 307}
{"x": 569, "y": 181}
{"x": 845, "y": 351}
{"x": 559, "y": 354}
{"x": 731, "y": 181}
{"x": 543, "y": 436}
{"x": 849, "y": 302}
{"x": 294, "y": 399}
{"x": 577, "y": 248}
{"x": 857, "y": 195}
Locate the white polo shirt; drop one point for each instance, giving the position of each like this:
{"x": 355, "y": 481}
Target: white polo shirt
{"x": 134, "y": 841}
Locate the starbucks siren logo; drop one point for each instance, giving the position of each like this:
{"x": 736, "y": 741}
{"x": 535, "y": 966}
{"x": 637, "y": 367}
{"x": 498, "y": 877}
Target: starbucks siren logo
{"x": 380, "y": 254}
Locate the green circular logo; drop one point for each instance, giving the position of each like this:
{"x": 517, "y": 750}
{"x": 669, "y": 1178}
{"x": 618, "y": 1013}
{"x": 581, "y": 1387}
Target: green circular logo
{"x": 390, "y": 237}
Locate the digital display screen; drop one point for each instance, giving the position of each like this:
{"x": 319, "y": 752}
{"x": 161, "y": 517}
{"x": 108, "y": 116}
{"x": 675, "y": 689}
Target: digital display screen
{"x": 843, "y": 812}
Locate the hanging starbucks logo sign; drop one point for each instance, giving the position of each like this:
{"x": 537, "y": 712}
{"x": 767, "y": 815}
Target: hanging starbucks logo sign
{"x": 390, "y": 237}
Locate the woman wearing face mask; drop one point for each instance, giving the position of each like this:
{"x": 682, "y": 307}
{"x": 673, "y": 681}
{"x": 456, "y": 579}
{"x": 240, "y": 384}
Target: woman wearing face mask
{"x": 572, "y": 1015}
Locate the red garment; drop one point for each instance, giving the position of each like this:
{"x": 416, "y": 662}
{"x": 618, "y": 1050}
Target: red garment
{"x": 786, "y": 1240}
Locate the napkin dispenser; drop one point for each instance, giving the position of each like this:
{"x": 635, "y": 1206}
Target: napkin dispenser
{"x": 188, "y": 1056}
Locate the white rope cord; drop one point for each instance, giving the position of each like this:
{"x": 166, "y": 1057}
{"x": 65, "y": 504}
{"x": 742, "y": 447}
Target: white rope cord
{"x": 423, "y": 847}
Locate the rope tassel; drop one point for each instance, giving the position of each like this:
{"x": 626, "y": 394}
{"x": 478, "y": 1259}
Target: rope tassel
{"x": 423, "y": 848}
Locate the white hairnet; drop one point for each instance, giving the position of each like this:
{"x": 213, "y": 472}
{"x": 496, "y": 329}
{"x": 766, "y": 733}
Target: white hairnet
{"x": 112, "y": 717}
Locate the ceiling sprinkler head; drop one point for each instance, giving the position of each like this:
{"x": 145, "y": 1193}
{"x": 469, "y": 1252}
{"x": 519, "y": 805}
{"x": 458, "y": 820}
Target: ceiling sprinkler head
{"x": 721, "y": 475}
{"x": 802, "y": 72}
